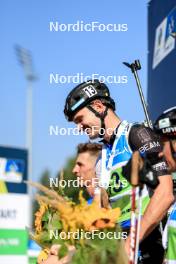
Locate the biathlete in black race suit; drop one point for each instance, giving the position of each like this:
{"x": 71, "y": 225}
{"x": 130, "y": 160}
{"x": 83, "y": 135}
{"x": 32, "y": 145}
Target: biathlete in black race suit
{"x": 90, "y": 106}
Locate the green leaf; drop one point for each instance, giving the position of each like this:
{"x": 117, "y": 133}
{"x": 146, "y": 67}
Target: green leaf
{"x": 58, "y": 241}
{"x": 45, "y": 237}
{"x": 55, "y": 222}
{"x": 45, "y": 217}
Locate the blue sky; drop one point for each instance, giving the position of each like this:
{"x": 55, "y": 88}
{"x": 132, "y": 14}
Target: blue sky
{"x": 27, "y": 23}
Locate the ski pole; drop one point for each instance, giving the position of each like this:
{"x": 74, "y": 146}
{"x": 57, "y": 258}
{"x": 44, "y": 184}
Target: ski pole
{"x": 138, "y": 224}
{"x": 135, "y": 66}
{"x": 140, "y": 164}
{"x": 133, "y": 227}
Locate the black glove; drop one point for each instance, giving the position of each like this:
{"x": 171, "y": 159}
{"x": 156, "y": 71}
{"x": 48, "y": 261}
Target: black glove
{"x": 147, "y": 174}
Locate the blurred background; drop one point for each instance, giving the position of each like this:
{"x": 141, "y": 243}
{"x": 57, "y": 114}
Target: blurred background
{"x": 30, "y": 104}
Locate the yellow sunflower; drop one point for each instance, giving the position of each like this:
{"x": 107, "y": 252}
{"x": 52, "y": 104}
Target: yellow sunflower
{"x": 43, "y": 255}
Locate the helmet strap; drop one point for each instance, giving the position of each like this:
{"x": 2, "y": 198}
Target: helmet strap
{"x": 102, "y": 118}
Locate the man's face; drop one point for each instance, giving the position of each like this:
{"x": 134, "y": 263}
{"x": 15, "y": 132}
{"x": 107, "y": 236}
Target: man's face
{"x": 84, "y": 169}
{"x": 87, "y": 121}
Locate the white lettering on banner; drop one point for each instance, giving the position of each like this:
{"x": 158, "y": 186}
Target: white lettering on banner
{"x": 8, "y": 214}
{"x": 9, "y": 241}
{"x": 14, "y": 211}
{"x": 149, "y": 146}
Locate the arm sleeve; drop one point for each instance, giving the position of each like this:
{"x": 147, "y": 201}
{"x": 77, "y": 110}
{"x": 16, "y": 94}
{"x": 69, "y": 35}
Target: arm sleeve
{"x": 144, "y": 140}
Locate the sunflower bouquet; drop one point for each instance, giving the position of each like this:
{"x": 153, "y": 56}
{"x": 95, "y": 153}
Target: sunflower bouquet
{"x": 59, "y": 221}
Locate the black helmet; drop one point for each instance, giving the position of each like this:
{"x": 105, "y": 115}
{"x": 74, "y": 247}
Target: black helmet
{"x": 83, "y": 94}
{"x": 166, "y": 123}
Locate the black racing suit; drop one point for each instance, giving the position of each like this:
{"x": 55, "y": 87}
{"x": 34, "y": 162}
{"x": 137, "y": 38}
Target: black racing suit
{"x": 147, "y": 142}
